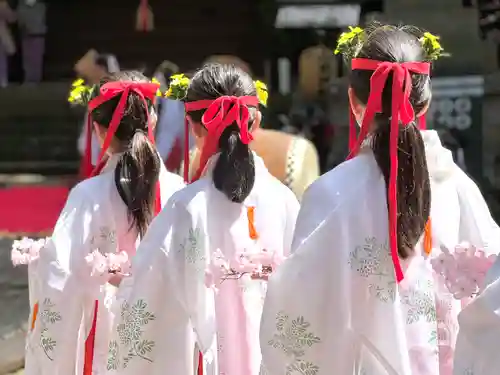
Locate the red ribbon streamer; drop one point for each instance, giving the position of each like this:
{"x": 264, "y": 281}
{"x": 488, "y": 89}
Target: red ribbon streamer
{"x": 219, "y": 114}
{"x": 402, "y": 111}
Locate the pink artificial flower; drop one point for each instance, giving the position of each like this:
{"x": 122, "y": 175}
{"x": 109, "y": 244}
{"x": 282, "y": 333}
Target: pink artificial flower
{"x": 444, "y": 263}
{"x": 17, "y": 257}
{"x": 210, "y": 280}
{"x": 98, "y": 263}
{"x": 118, "y": 262}
{"x": 26, "y": 250}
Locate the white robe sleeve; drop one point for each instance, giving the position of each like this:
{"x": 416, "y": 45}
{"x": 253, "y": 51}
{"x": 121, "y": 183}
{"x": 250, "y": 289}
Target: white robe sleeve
{"x": 477, "y": 227}
{"x": 478, "y": 338}
{"x": 62, "y": 286}
{"x": 292, "y": 212}
{"x": 164, "y": 309}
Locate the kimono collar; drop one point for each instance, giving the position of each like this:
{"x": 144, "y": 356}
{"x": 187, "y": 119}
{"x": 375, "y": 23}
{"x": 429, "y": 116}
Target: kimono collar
{"x": 111, "y": 162}
{"x": 210, "y": 165}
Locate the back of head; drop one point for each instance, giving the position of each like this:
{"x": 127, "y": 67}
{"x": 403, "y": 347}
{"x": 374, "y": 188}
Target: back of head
{"x": 399, "y": 44}
{"x": 138, "y": 168}
{"x": 234, "y": 171}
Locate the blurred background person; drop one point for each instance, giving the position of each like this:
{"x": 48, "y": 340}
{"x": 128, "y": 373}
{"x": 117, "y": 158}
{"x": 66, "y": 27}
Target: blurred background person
{"x": 7, "y": 44}
{"x": 33, "y": 27}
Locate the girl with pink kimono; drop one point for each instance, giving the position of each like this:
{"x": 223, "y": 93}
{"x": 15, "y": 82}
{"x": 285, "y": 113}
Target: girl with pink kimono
{"x": 198, "y": 280}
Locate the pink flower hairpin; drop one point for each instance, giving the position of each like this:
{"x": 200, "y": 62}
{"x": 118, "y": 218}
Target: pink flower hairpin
{"x": 464, "y": 270}
{"x": 104, "y": 267}
{"x": 259, "y": 265}
{"x": 26, "y": 250}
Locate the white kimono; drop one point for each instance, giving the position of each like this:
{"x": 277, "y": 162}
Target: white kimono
{"x": 334, "y": 306}
{"x": 479, "y": 335}
{"x": 169, "y": 307}
{"x": 61, "y": 287}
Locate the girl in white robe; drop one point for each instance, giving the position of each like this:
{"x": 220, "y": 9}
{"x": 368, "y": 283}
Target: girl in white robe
{"x": 71, "y": 294}
{"x": 358, "y": 295}
{"x": 193, "y": 282}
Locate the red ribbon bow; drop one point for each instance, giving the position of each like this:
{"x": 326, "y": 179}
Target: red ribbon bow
{"x": 402, "y": 112}
{"x": 146, "y": 90}
{"x": 219, "y": 114}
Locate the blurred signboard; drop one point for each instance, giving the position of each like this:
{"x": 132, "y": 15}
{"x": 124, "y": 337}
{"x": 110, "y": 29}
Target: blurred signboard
{"x": 456, "y": 111}
{"x": 322, "y": 16}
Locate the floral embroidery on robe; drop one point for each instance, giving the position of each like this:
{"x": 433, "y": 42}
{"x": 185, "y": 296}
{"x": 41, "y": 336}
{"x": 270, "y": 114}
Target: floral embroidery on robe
{"x": 293, "y": 337}
{"x": 372, "y": 262}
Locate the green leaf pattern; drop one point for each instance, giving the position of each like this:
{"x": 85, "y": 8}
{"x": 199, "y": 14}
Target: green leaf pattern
{"x": 130, "y": 330}
{"x": 47, "y": 318}
{"x": 104, "y": 240}
{"x": 191, "y": 247}
{"x": 292, "y": 337}
{"x": 420, "y": 303}
{"x": 372, "y": 261}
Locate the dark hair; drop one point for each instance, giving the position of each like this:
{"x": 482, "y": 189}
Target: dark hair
{"x": 399, "y": 44}
{"x": 138, "y": 169}
{"x": 234, "y": 172}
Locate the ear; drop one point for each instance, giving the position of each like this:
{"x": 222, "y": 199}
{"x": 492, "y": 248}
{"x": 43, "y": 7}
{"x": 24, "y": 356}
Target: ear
{"x": 197, "y": 130}
{"x": 257, "y": 121}
{"x": 153, "y": 119}
{"x": 357, "y": 108}
{"x": 100, "y": 132}
{"x": 424, "y": 110}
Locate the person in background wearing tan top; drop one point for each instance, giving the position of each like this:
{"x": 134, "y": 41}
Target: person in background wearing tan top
{"x": 7, "y": 45}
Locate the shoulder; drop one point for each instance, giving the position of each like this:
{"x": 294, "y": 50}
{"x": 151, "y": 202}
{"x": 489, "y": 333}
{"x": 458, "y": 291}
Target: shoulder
{"x": 275, "y": 188}
{"x": 192, "y": 195}
{"x": 90, "y": 191}
{"x": 170, "y": 183}
{"x": 343, "y": 182}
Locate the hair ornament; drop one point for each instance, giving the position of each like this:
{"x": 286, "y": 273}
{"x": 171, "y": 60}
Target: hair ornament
{"x": 432, "y": 46}
{"x": 80, "y": 93}
{"x": 156, "y": 82}
{"x": 349, "y": 41}
{"x": 178, "y": 87}
{"x": 262, "y": 92}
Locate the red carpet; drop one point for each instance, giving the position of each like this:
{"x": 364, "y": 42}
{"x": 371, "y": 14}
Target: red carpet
{"x": 30, "y": 210}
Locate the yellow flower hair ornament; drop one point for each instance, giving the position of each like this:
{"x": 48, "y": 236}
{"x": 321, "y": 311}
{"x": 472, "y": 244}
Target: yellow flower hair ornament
{"x": 80, "y": 93}
{"x": 349, "y": 40}
{"x": 432, "y": 46}
{"x": 158, "y": 92}
{"x": 178, "y": 87}
{"x": 262, "y": 92}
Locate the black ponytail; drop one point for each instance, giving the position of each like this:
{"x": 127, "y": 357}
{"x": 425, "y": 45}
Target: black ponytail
{"x": 138, "y": 168}
{"x": 399, "y": 44}
{"x": 234, "y": 171}
{"x": 136, "y": 175}
{"x": 413, "y": 185}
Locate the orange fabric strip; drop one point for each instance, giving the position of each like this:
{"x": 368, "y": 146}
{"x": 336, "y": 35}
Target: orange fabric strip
{"x": 34, "y": 316}
{"x": 251, "y": 223}
{"x": 428, "y": 237}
